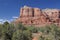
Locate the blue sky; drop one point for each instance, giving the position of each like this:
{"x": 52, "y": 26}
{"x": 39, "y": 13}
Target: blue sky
{"x": 11, "y": 8}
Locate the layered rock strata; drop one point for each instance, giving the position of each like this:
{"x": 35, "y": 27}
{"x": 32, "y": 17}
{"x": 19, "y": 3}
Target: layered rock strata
{"x": 38, "y": 17}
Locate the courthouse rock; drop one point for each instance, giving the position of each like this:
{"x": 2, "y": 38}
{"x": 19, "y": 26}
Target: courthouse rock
{"x": 38, "y": 17}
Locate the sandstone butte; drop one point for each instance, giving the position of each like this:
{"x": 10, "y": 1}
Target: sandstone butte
{"x": 38, "y": 17}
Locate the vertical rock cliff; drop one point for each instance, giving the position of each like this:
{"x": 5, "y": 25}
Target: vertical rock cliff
{"x": 38, "y": 17}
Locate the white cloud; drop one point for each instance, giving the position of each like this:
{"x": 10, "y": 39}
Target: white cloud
{"x": 14, "y": 17}
{"x": 4, "y": 20}
{"x": 1, "y": 19}
{"x": 8, "y": 20}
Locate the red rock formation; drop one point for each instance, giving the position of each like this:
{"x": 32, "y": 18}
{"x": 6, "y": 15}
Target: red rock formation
{"x": 37, "y": 12}
{"x": 38, "y": 17}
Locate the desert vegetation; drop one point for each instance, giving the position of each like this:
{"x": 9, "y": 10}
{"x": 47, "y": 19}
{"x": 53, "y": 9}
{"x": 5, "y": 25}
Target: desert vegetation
{"x": 10, "y": 31}
{"x": 14, "y": 32}
{"x": 51, "y": 32}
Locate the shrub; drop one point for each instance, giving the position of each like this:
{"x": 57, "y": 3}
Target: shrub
{"x": 32, "y": 29}
{"x": 51, "y": 32}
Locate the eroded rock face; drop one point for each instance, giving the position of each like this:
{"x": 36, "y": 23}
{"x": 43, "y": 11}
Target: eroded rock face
{"x": 38, "y": 17}
{"x": 37, "y": 12}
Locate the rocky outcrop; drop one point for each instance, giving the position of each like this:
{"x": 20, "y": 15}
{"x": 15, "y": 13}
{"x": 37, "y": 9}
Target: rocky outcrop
{"x": 38, "y": 17}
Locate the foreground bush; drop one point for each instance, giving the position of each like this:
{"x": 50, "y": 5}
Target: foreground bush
{"x": 14, "y": 32}
{"x": 20, "y": 32}
{"x": 32, "y": 29}
{"x": 51, "y": 32}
